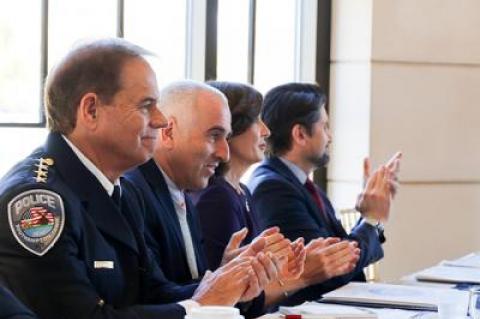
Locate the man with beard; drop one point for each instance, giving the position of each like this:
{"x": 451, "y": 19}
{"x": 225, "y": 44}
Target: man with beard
{"x": 284, "y": 195}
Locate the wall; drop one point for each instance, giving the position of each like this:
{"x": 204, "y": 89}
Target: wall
{"x": 406, "y": 76}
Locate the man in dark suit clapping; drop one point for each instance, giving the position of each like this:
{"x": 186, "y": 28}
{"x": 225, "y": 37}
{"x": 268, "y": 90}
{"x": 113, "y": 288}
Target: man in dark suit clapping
{"x": 284, "y": 195}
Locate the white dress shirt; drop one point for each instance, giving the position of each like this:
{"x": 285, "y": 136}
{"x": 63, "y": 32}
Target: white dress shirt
{"x": 102, "y": 179}
{"x": 178, "y": 198}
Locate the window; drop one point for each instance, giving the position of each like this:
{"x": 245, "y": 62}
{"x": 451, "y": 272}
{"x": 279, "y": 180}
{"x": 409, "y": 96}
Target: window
{"x": 232, "y": 64}
{"x": 259, "y": 41}
{"x": 159, "y": 26}
{"x": 29, "y": 49}
{"x": 16, "y": 143}
{"x": 70, "y": 22}
{"x": 267, "y": 42}
{"x": 20, "y": 62}
{"x": 274, "y": 43}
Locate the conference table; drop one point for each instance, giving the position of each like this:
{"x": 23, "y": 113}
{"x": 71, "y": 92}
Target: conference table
{"x": 409, "y": 280}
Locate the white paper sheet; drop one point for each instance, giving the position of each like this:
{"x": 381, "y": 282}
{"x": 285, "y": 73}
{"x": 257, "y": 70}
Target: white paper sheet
{"x": 471, "y": 261}
{"x": 319, "y": 310}
{"x": 450, "y": 274}
{"x": 397, "y": 295}
{"x": 403, "y": 314}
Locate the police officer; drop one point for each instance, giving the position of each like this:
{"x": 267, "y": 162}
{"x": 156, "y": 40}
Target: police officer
{"x": 71, "y": 230}
{"x": 11, "y": 308}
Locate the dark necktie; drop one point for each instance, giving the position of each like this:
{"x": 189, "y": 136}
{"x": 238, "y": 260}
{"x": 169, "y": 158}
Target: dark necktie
{"x": 117, "y": 196}
{"x": 316, "y": 197}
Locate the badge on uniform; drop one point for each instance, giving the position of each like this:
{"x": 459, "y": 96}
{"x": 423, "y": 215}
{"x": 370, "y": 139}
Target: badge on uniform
{"x": 36, "y": 218}
{"x": 103, "y": 264}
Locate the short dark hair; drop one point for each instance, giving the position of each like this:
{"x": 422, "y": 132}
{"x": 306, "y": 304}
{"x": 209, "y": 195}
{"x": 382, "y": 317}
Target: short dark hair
{"x": 245, "y": 103}
{"x": 287, "y": 105}
{"x": 91, "y": 67}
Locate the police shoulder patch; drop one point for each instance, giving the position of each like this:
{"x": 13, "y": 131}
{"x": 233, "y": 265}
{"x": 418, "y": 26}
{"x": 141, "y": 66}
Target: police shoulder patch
{"x": 36, "y": 218}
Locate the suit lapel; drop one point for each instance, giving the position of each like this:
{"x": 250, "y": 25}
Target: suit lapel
{"x": 335, "y": 223}
{"x": 194, "y": 226}
{"x": 97, "y": 203}
{"x": 109, "y": 219}
{"x": 156, "y": 181}
{"x": 314, "y": 210}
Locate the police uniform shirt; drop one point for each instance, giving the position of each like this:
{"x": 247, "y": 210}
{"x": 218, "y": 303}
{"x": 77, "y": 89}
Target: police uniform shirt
{"x": 109, "y": 188}
{"x": 102, "y": 179}
{"x": 66, "y": 249}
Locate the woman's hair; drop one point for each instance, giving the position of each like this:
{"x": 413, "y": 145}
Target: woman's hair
{"x": 245, "y": 104}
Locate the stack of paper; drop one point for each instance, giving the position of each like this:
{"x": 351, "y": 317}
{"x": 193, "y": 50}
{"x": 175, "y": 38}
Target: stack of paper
{"x": 470, "y": 261}
{"x": 315, "y": 310}
{"x": 395, "y": 296}
{"x": 450, "y": 274}
{"x": 324, "y": 311}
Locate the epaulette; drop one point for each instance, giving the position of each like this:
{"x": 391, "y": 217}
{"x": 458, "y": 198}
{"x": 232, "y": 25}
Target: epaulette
{"x": 36, "y": 215}
{"x": 42, "y": 169}
{"x": 36, "y": 218}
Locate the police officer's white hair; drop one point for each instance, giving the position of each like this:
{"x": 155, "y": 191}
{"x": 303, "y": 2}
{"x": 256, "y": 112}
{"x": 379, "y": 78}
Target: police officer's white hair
{"x": 180, "y": 94}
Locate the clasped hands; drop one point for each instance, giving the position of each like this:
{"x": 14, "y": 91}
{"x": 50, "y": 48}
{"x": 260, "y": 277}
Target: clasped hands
{"x": 274, "y": 264}
{"x": 247, "y": 270}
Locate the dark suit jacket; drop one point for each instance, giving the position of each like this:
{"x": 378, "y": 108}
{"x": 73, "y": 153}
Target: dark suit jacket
{"x": 11, "y": 308}
{"x": 281, "y": 200}
{"x": 163, "y": 233}
{"x": 65, "y": 282}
